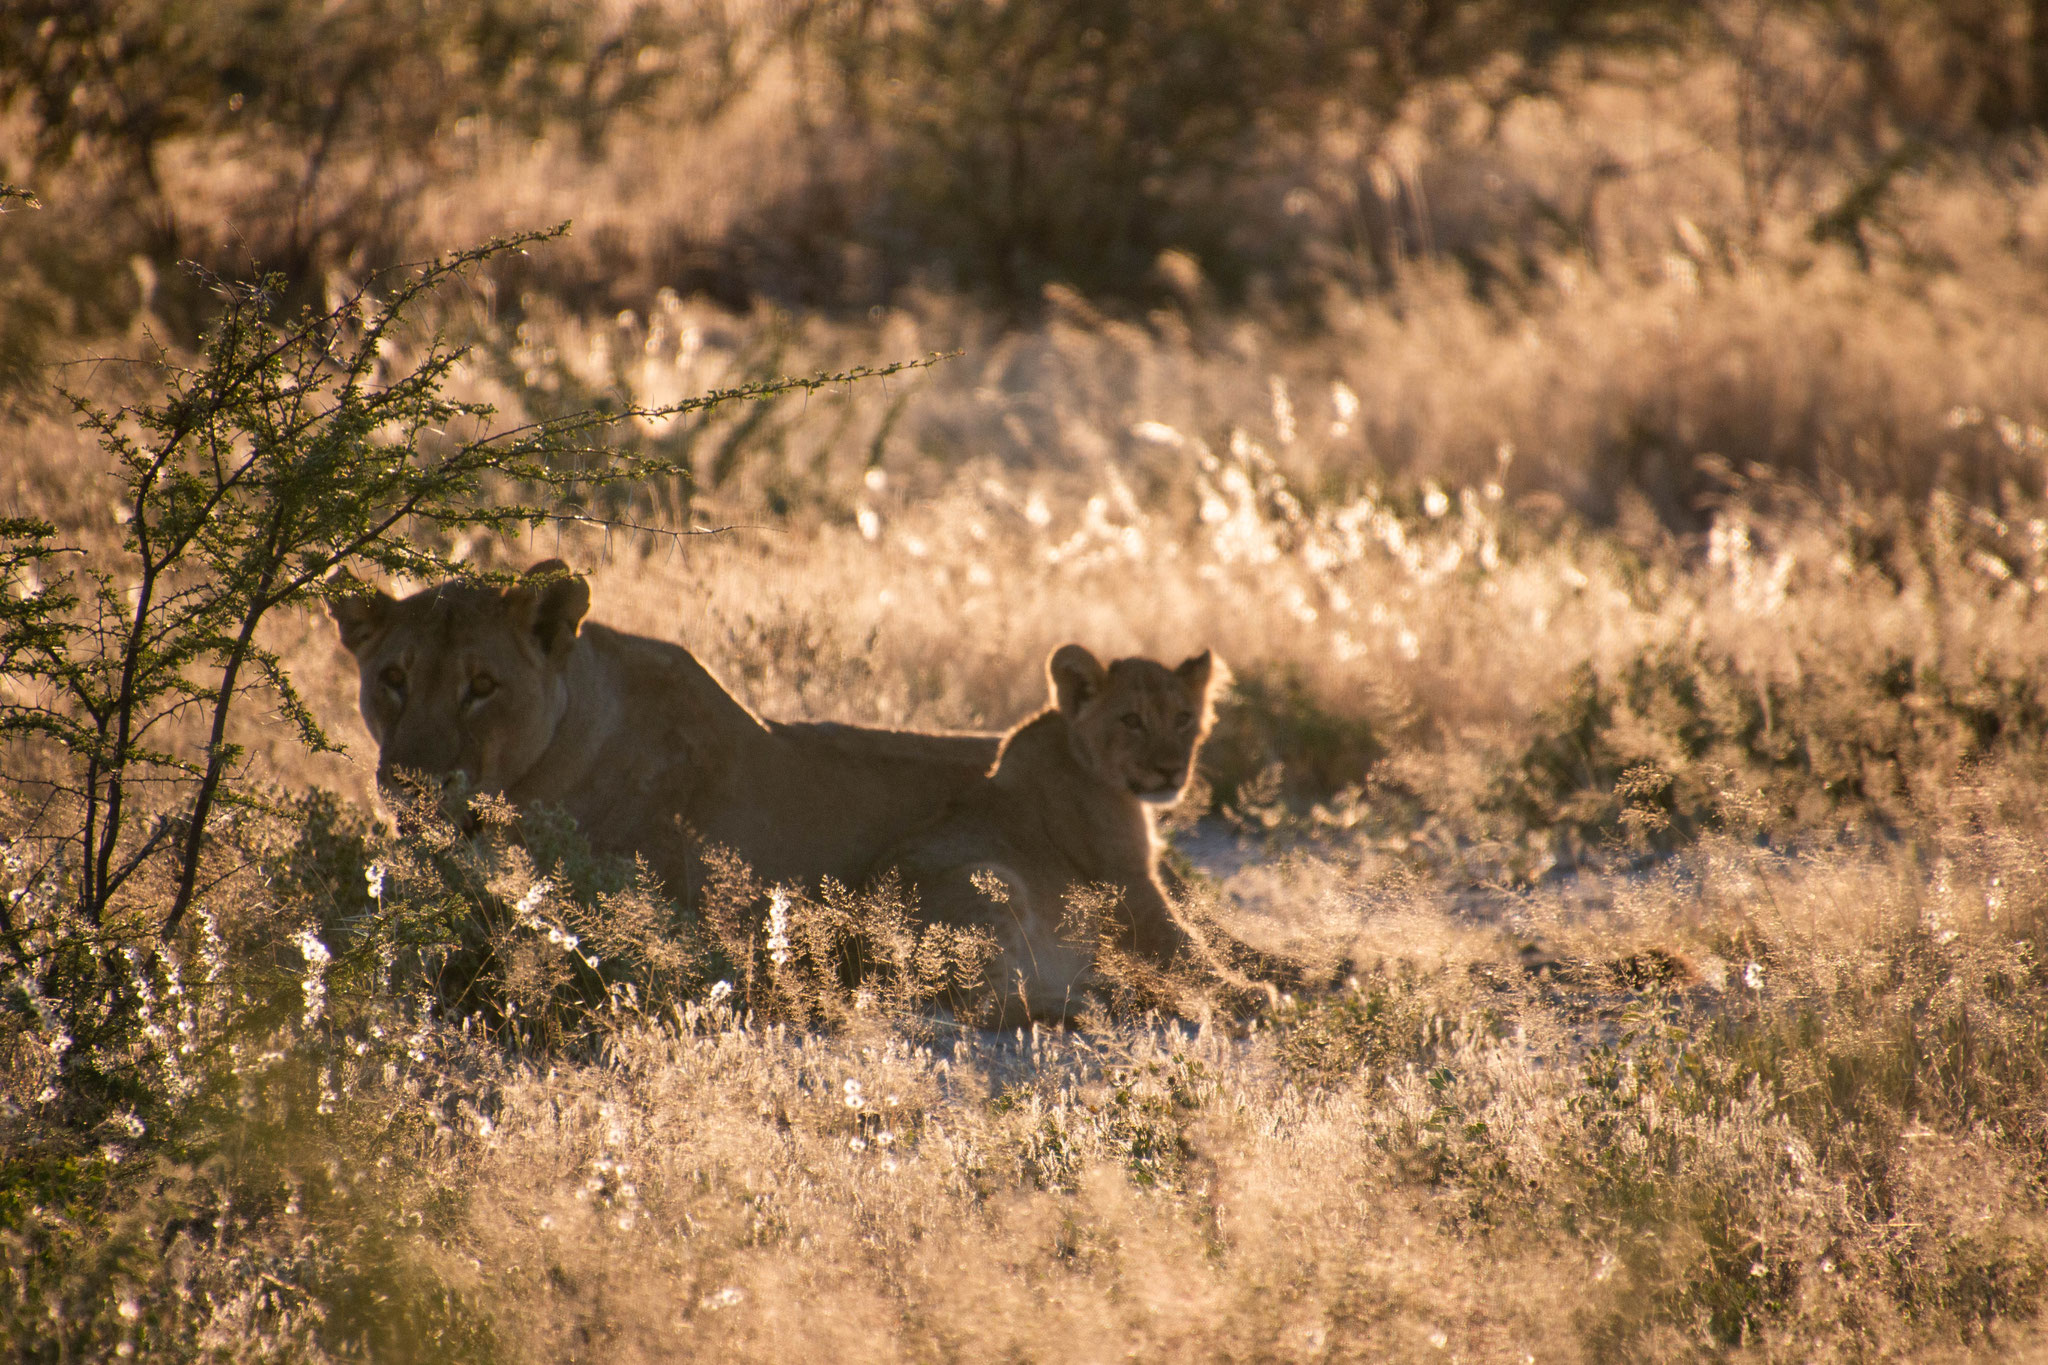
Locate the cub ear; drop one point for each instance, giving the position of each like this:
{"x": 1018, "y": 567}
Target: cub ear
{"x": 550, "y": 599}
{"x": 1075, "y": 675}
{"x": 1201, "y": 672}
{"x": 359, "y": 610}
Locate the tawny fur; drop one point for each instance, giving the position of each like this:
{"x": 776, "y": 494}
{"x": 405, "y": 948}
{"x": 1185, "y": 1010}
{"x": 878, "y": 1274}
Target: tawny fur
{"x": 632, "y": 737}
{"x": 1068, "y": 806}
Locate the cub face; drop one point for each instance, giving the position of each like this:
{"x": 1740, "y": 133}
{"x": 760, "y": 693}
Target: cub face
{"x": 1134, "y": 725}
{"x": 464, "y": 680}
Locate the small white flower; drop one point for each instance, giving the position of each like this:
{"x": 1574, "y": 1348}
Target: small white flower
{"x": 854, "y": 1099}
{"x": 315, "y": 984}
{"x": 719, "y": 991}
{"x": 535, "y": 894}
{"x": 373, "y": 878}
{"x": 129, "y": 1309}
{"x": 1344, "y": 401}
{"x": 859, "y": 1144}
{"x": 1753, "y": 976}
{"x": 778, "y": 927}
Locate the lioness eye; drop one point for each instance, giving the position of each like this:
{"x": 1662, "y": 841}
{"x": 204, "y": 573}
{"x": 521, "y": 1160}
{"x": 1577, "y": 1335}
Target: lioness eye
{"x": 1185, "y": 719}
{"x": 393, "y": 678}
{"x": 482, "y": 685}
{"x": 1132, "y": 721}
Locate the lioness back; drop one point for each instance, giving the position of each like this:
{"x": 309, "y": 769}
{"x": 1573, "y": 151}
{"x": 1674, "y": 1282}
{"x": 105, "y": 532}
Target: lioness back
{"x": 1069, "y": 806}
{"x": 513, "y": 693}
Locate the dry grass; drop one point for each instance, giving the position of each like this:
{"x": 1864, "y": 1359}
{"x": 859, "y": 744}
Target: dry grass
{"x": 1639, "y": 686}
{"x": 1777, "y": 1096}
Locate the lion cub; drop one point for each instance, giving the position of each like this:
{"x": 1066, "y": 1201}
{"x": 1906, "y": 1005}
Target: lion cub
{"x": 1068, "y": 805}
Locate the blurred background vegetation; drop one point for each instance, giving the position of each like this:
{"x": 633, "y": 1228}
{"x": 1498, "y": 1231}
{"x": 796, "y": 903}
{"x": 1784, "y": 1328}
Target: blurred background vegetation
{"x": 1284, "y": 147}
{"x": 1298, "y": 164}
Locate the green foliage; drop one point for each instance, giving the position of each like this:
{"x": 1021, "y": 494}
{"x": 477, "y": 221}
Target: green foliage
{"x": 1683, "y": 741}
{"x": 283, "y": 453}
{"x": 296, "y": 442}
{"x": 193, "y": 1122}
{"x": 336, "y": 109}
{"x": 336, "y": 117}
{"x": 825, "y": 959}
{"x": 1278, "y": 748}
{"x": 1353, "y": 1036}
{"x": 1938, "y": 69}
{"x": 1032, "y": 141}
{"x": 290, "y": 448}
{"x": 98, "y": 1261}
{"x": 1137, "y": 1116}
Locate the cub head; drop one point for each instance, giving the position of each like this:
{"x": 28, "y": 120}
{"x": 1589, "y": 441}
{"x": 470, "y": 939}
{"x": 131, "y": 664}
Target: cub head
{"x": 1135, "y": 724}
{"x": 463, "y": 679}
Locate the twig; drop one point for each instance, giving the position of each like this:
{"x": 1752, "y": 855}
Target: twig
{"x": 164, "y": 825}
{"x": 672, "y": 533}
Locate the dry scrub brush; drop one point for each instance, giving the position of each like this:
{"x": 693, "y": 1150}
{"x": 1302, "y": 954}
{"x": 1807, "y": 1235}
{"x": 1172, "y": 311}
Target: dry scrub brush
{"x": 1817, "y": 1135}
{"x": 1761, "y": 1075}
{"x": 1634, "y": 591}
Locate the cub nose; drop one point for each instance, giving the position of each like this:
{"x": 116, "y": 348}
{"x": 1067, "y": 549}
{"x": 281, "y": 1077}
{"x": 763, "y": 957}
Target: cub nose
{"x": 1171, "y": 777}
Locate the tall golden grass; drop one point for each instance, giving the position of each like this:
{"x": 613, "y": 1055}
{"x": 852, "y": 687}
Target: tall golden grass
{"x": 1639, "y": 689}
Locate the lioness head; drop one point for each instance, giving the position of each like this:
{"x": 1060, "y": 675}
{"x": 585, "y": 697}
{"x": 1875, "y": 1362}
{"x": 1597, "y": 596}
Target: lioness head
{"x": 1135, "y": 724}
{"x": 462, "y": 679}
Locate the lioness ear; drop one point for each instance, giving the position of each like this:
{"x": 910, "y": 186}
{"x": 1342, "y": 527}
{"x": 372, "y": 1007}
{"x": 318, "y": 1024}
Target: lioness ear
{"x": 1200, "y": 671}
{"x": 1075, "y": 675}
{"x": 358, "y": 609}
{"x": 550, "y": 601}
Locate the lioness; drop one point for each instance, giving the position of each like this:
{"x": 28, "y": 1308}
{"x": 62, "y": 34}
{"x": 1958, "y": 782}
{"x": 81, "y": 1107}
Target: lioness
{"x": 1068, "y": 806}
{"x": 631, "y": 736}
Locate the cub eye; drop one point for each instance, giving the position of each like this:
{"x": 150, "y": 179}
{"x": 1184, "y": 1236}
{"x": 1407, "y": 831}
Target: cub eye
{"x": 1184, "y": 719}
{"x": 1132, "y": 721}
{"x": 393, "y": 677}
{"x": 482, "y": 685}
